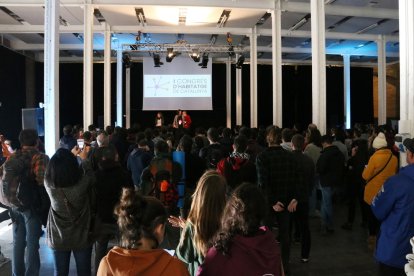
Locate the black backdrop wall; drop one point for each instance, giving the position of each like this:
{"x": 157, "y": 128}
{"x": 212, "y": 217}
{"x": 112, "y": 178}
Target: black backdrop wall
{"x": 297, "y": 95}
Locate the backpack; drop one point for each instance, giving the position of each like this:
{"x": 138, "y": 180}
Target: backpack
{"x": 163, "y": 187}
{"x": 18, "y": 187}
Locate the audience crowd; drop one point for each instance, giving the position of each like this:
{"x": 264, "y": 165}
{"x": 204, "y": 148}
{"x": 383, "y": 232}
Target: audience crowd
{"x": 178, "y": 201}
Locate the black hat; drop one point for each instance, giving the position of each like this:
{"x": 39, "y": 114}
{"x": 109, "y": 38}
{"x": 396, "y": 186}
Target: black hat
{"x": 409, "y": 144}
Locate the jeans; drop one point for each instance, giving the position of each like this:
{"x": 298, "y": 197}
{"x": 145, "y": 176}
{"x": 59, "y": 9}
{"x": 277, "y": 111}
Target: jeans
{"x": 27, "y": 229}
{"x": 313, "y": 198}
{"x": 107, "y": 232}
{"x": 326, "y": 207}
{"x": 82, "y": 259}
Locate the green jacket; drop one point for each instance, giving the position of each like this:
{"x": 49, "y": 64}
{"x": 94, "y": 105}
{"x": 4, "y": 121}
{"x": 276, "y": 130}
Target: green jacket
{"x": 186, "y": 250}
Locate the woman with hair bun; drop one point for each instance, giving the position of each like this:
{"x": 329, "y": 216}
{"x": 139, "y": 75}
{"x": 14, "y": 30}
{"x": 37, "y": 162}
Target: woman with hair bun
{"x": 243, "y": 246}
{"x": 141, "y": 221}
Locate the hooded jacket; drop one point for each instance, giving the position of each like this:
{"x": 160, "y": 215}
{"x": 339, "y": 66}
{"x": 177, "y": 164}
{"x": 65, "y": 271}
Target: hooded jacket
{"x": 257, "y": 255}
{"x": 394, "y": 207}
{"x": 237, "y": 169}
{"x": 120, "y": 261}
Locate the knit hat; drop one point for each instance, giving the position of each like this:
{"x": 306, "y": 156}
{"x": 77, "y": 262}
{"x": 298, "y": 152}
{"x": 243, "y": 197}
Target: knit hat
{"x": 379, "y": 141}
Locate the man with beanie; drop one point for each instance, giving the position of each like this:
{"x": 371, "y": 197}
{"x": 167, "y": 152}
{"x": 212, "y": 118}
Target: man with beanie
{"x": 394, "y": 208}
{"x": 381, "y": 166}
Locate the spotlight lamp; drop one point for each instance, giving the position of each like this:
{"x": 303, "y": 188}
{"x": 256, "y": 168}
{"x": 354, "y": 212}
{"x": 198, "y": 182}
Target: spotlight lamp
{"x": 170, "y": 54}
{"x": 240, "y": 62}
{"x": 157, "y": 60}
{"x": 204, "y": 61}
{"x": 231, "y": 52}
{"x": 195, "y": 55}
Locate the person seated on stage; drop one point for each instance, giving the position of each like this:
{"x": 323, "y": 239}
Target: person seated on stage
{"x": 159, "y": 120}
{"x": 187, "y": 120}
{"x": 178, "y": 119}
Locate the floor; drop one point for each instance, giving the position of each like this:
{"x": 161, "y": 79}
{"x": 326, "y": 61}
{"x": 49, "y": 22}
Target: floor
{"x": 339, "y": 254}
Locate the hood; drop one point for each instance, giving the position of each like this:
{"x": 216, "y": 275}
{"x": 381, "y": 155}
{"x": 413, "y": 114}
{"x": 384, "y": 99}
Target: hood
{"x": 237, "y": 160}
{"x": 261, "y": 248}
{"x": 138, "y": 262}
{"x": 408, "y": 171}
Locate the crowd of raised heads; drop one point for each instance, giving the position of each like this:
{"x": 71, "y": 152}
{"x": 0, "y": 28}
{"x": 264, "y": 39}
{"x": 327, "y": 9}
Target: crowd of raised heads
{"x": 177, "y": 200}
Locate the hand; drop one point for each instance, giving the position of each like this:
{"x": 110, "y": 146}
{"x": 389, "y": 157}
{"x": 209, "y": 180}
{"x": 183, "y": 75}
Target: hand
{"x": 177, "y": 222}
{"x": 292, "y": 205}
{"x": 279, "y": 207}
{"x": 76, "y": 150}
{"x": 84, "y": 153}
{"x": 354, "y": 151}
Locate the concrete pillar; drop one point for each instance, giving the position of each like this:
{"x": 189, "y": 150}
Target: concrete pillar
{"x": 406, "y": 27}
{"x": 347, "y": 91}
{"x": 119, "y": 87}
{"x": 318, "y": 64}
{"x": 277, "y": 64}
{"x": 238, "y": 95}
{"x": 382, "y": 81}
{"x": 228, "y": 93}
{"x": 88, "y": 66}
{"x": 51, "y": 76}
{"x": 253, "y": 78}
{"x": 107, "y": 77}
{"x": 128, "y": 97}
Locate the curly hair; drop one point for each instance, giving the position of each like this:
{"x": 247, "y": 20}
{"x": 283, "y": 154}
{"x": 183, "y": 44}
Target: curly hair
{"x": 243, "y": 215}
{"x": 138, "y": 217}
{"x": 207, "y": 207}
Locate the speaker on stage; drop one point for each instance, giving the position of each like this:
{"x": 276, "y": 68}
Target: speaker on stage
{"x": 34, "y": 118}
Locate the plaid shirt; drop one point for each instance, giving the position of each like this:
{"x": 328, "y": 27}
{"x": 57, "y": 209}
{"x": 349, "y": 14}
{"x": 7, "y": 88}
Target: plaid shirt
{"x": 38, "y": 164}
{"x": 278, "y": 176}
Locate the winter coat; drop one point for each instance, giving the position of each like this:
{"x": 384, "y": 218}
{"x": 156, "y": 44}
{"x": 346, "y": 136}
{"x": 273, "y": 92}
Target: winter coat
{"x": 375, "y": 164}
{"x": 394, "y": 207}
{"x": 330, "y": 166}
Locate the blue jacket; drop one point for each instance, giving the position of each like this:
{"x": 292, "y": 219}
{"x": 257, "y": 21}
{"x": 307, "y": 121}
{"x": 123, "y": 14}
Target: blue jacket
{"x": 138, "y": 160}
{"x": 394, "y": 207}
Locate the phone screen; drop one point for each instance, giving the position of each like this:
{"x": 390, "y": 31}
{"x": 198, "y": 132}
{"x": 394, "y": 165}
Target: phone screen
{"x": 81, "y": 143}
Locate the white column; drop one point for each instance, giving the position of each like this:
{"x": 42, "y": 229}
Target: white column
{"x": 347, "y": 91}
{"x": 128, "y": 97}
{"x": 277, "y": 64}
{"x": 253, "y": 78}
{"x": 406, "y": 27}
{"x": 107, "y": 76}
{"x": 318, "y": 64}
{"x": 228, "y": 92}
{"x": 382, "y": 81}
{"x": 88, "y": 66}
{"x": 238, "y": 95}
{"x": 51, "y": 76}
{"x": 119, "y": 87}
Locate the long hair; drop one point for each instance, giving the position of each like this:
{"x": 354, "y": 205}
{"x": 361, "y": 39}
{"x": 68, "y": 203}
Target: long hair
{"x": 208, "y": 203}
{"x": 243, "y": 215}
{"x": 137, "y": 218}
{"x": 63, "y": 169}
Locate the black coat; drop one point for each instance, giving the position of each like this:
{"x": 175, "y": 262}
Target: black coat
{"x": 330, "y": 166}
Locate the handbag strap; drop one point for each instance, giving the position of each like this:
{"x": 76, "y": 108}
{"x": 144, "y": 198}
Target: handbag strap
{"x": 380, "y": 170}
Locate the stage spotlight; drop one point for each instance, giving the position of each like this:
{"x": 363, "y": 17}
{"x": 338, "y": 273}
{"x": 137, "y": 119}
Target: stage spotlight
{"x": 126, "y": 59}
{"x": 195, "y": 55}
{"x": 240, "y": 62}
{"x": 157, "y": 60}
{"x": 204, "y": 61}
{"x": 170, "y": 54}
{"x": 231, "y": 51}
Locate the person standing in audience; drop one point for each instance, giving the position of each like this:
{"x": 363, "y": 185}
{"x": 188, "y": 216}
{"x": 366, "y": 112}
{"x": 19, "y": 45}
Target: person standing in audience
{"x": 287, "y": 135}
{"x": 203, "y": 220}
{"x": 110, "y": 179}
{"x": 27, "y": 220}
{"x": 382, "y": 165}
{"x": 138, "y": 160}
{"x": 214, "y": 152}
{"x": 301, "y": 215}
{"x": 237, "y": 168}
{"x": 67, "y": 141}
{"x": 243, "y": 246}
{"x": 70, "y": 217}
{"x": 330, "y": 167}
{"x": 141, "y": 221}
{"x": 277, "y": 173}
{"x": 394, "y": 208}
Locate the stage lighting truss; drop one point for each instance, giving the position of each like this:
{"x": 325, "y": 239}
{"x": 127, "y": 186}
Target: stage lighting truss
{"x": 195, "y": 51}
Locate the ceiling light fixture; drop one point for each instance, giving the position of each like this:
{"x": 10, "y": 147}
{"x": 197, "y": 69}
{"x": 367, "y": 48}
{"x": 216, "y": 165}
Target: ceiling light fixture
{"x": 328, "y": 2}
{"x": 170, "y": 54}
{"x": 240, "y": 61}
{"x": 223, "y": 18}
{"x": 195, "y": 55}
{"x": 301, "y": 22}
{"x": 204, "y": 61}
{"x": 372, "y": 26}
{"x": 141, "y": 17}
{"x": 157, "y": 60}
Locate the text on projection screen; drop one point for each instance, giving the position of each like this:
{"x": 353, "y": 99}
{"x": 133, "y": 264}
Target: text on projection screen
{"x": 180, "y": 84}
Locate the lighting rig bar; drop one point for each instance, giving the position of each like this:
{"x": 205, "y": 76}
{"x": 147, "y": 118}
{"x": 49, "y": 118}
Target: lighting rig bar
{"x": 181, "y": 48}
